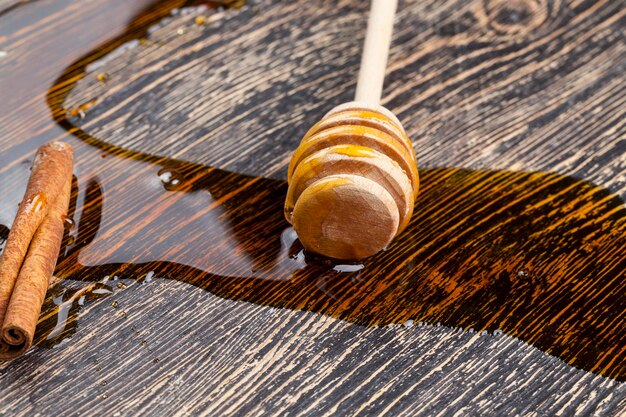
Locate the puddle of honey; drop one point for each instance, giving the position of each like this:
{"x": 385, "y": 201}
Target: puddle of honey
{"x": 538, "y": 256}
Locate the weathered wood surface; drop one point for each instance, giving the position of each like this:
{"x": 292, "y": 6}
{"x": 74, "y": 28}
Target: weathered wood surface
{"x": 526, "y": 85}
{"x": 163, "y": 347}
{"x": 169, "y": 349}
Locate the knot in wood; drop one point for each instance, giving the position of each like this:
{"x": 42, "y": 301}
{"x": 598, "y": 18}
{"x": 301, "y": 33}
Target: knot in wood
{"x": 516, "y": 17}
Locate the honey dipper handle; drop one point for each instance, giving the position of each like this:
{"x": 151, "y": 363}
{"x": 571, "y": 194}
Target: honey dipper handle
{"x": 375, "y": 51}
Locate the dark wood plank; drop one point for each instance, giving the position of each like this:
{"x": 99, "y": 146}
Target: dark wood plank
{"x": 475, "y": 89}
{"x": 544, "y": 93}
{"x": 147, "y": 109}
{"x": 154, "y": 354}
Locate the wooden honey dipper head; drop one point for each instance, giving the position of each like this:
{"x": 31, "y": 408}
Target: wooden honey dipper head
{"x": 352, "y": 182}
{"x": 353, "y": 179}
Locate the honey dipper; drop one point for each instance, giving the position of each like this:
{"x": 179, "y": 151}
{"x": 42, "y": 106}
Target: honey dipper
{"x": 353, "y": 179}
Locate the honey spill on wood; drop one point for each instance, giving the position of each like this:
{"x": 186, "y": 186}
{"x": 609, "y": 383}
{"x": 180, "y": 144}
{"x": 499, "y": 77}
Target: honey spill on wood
{"x": 530, "y": 254}
{"x": 537, "y": 255}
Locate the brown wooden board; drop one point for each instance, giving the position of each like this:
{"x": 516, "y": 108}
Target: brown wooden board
{"x": 516, "y": 113}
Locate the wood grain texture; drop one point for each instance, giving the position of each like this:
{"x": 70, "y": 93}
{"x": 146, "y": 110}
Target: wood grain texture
{"x": 550, "y": 247}
{"x": 237, "y": 358}
{"x": 472, "y": 88}
{"x": 164, "y": 347}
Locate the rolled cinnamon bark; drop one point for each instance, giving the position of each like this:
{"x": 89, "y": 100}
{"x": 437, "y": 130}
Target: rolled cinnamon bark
{"x": 32, "y": 247}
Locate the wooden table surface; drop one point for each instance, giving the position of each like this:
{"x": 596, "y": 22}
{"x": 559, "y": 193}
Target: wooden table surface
{"x": 531, "y": 93}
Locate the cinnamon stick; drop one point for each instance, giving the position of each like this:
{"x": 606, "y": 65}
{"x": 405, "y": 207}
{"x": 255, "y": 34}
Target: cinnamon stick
{"x": 32, "y": 247}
